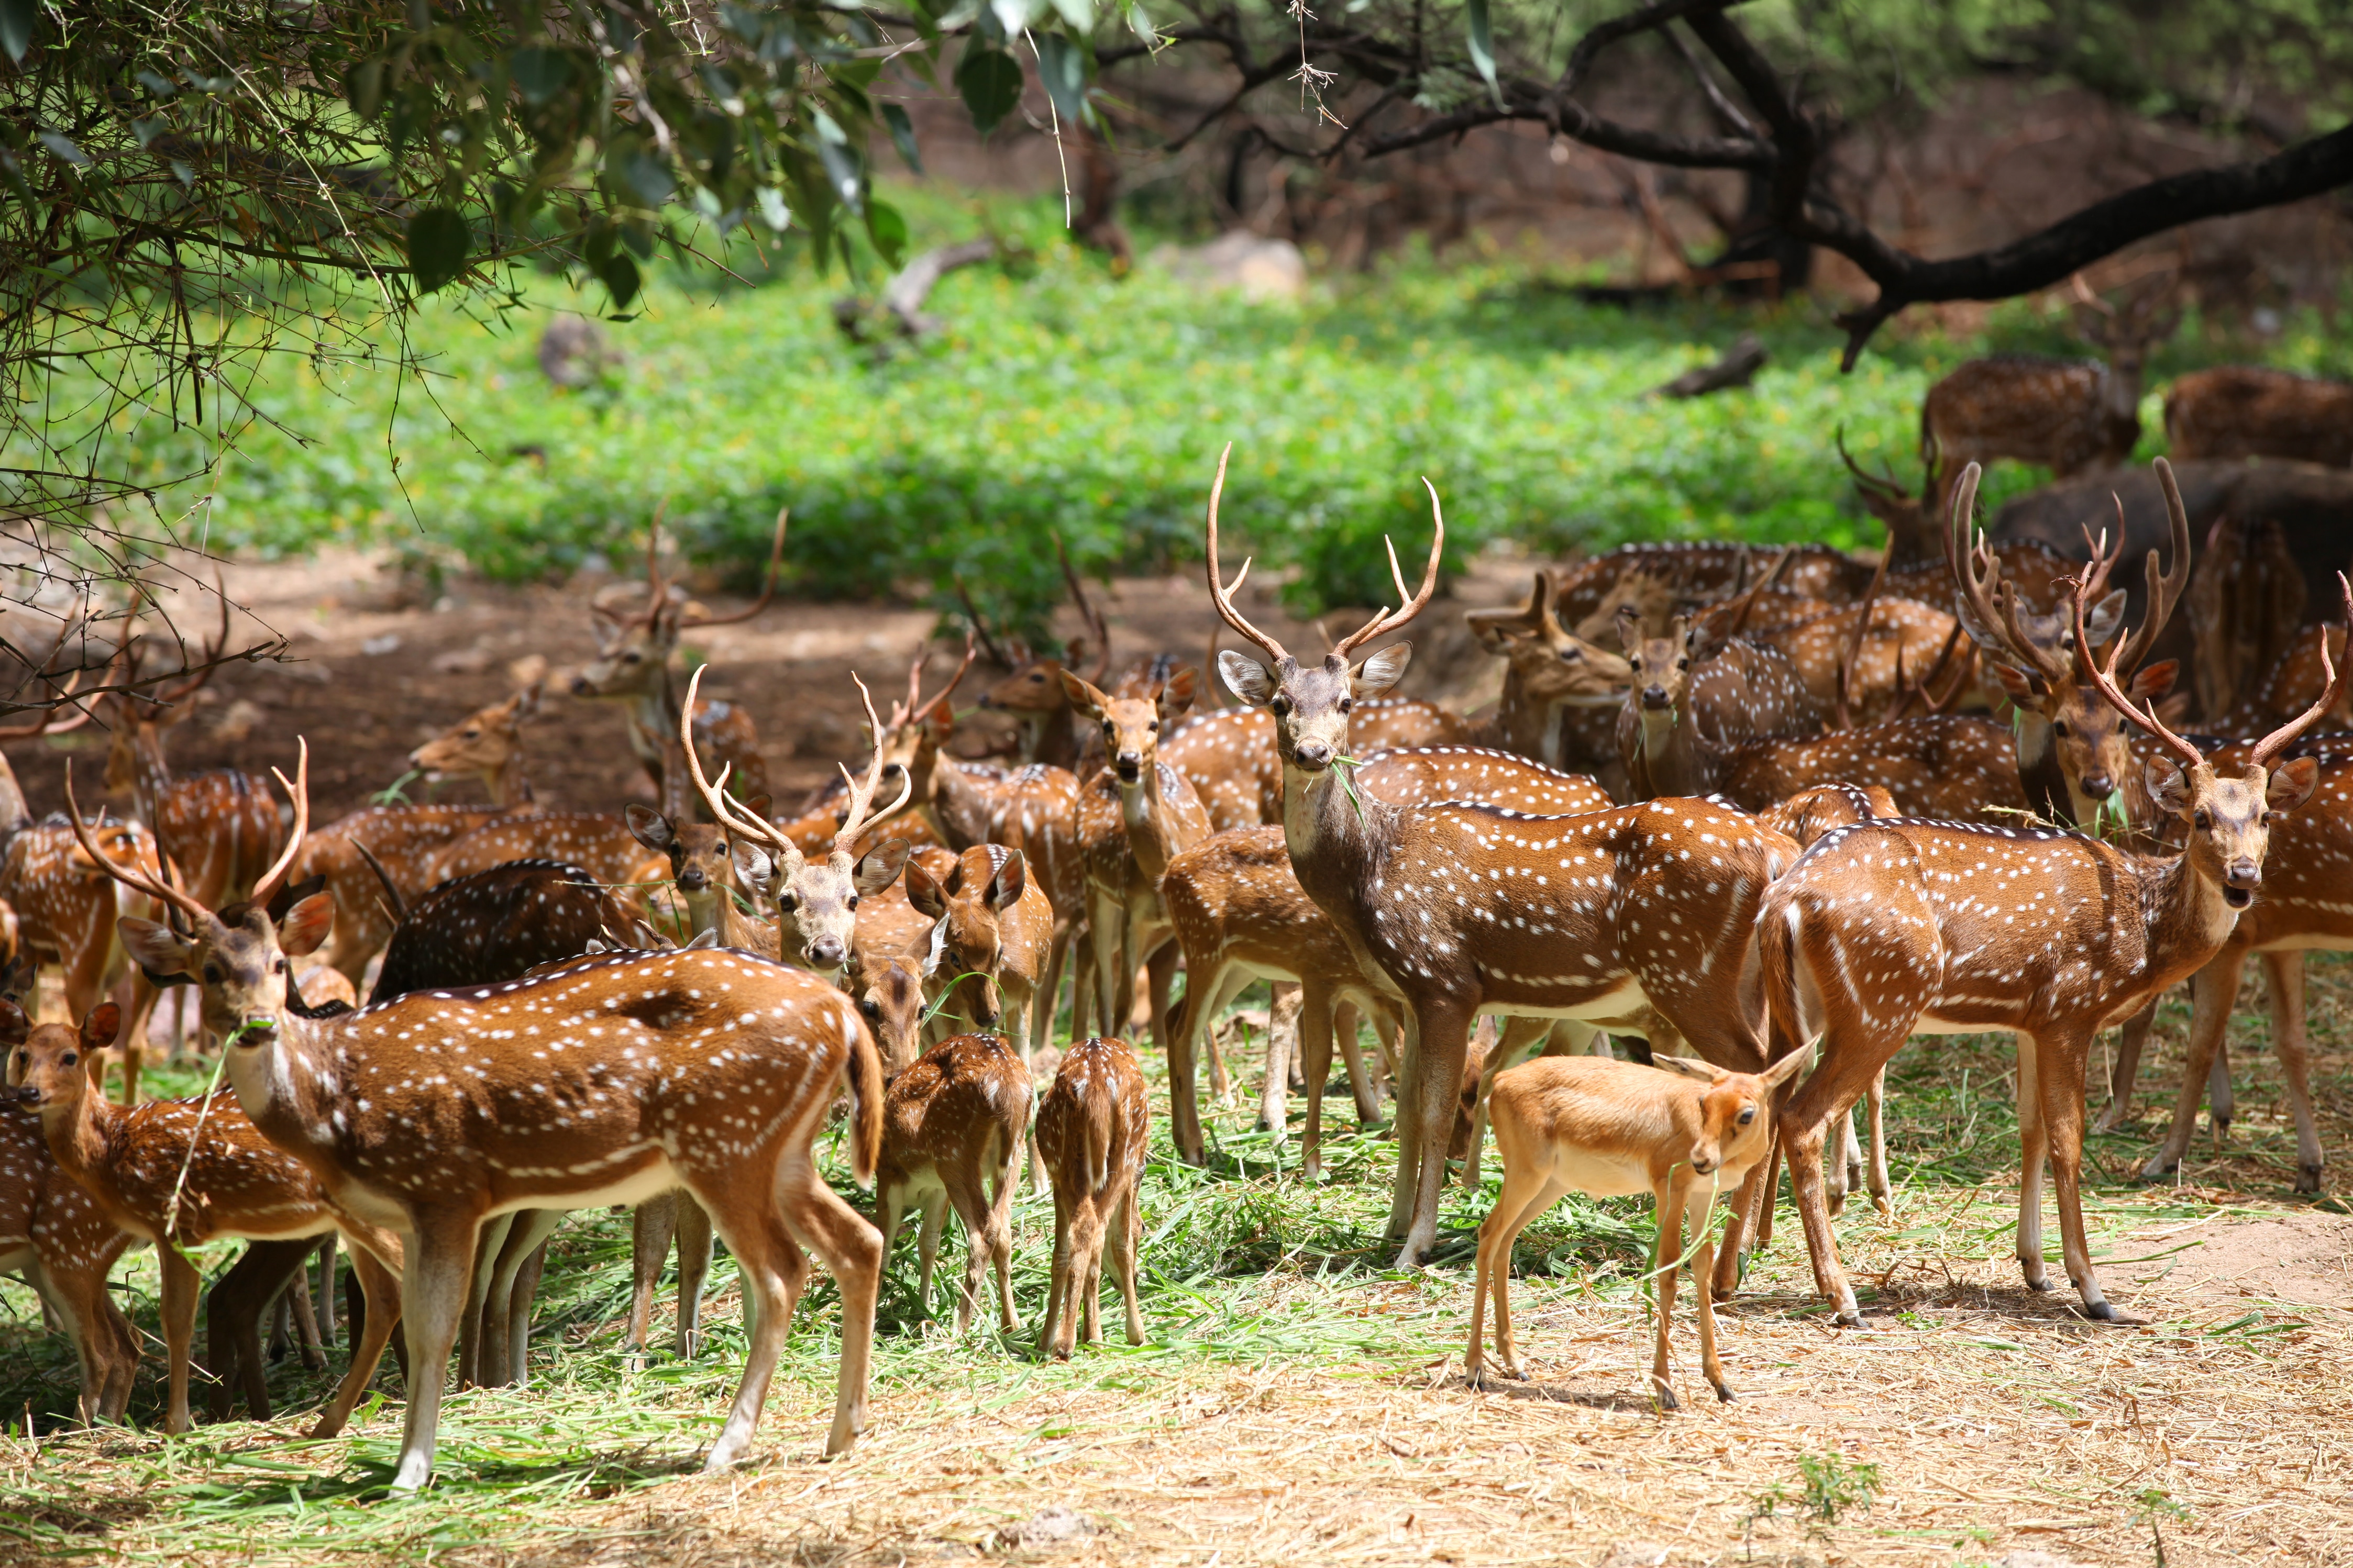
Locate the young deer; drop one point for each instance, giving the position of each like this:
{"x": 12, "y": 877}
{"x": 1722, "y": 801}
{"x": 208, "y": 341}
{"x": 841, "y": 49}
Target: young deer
{"x": 237, "y": 1184}
{"x": 632, "y": 667}
{"x": 1615, "y": 917}
{"x": 703, "y": 876}
{"x": 1889, "y": 929}
{"x": 1551, "y": 678}
{"x": 1612, "y": 1129}
{"x": 1092, "y": 1133}
{"x": 608, "y": 1081}
{"x": 55, "y": 1235}
{"x": 1691, "y": 706}
{"x": 2249, "y": 411}
{"x": 952, "y": 1126}
{"x": 2070, "y": 415}
{"x": 989, "y": 948}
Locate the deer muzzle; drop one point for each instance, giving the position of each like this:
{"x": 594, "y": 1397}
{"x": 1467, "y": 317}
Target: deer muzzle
{"x": 826, "y": 952}
{"x": 1130, "y": 765}
{"x": 1313, "y": 755}
{"x": 1654, "y": 697}
{"x": 2240, "y": 881}
{"x": 2098, "y": 786}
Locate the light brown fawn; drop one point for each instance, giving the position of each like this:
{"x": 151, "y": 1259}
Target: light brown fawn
{"x": 2251, "y": 411}
{"x": 1092, "y": 1133}
{"x": 1889, "y": 929}
{"x": 607, "y": 1081}
{"x": 1679, "y": 1129}
{"x": 952, "y": 1129}
{"x": 130, "y": 1161}
{"x": 1617, "y": 916}
{"x": 57, "y": 1237}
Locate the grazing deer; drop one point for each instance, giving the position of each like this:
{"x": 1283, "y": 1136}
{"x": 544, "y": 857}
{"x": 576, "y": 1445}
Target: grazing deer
{"x": 1889, "y": 929}
{"x": 952, "y": 1126}
{"x": 632, "y": 667}
{"x": 486, "y": 744}
{"x": 176, "y": 1173}
{"x": 988, "y": 949}
{"x": 2250, "y": 411}
{"x": 1691, "y": 705}
{"x": 607, "y": 1081}
{"x": 1611, "y": 1129}
{"x": 57, "y": 1237}
{"x": 1092, "y": 1133}
{"x": 1551, "y": 679}
{"x": 1470, "y": 909}
{"x": 2074, "y": 753}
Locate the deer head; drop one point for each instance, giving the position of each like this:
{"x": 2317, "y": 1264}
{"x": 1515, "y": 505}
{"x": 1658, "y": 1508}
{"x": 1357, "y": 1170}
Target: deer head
{"x": 909, "y": 745}
{"x": 2043, "y": 661}
{"x": 481, "y": 745}
{"x": 1734, "y": 1120}
{"x": 892, "y": 1000}
{"x": 701, "y": 864}
{"x": 633, "y": 644}
{"x": 817, "y": 900}
{"x": 1132, "y": 726}
{"x": 51, "y": 1063}
{"x": 1035, "y": 685}
{"x": 968, "y": 942}
{"x": 2125, "y": 337}
{"x": 1555, "y": 666}
{"x": 2228, "y": 819}
{"x": 1910, "y": 520}
{"x": 1311, "y": 702}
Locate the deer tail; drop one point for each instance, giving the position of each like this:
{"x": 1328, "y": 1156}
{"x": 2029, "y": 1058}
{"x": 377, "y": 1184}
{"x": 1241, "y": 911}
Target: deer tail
{"x": 866, "y": 1090}
{"x": 1096, "y": 1115}
{"x": 1777, "y": 923}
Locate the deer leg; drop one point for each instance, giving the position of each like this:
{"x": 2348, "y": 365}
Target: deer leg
{"x": 233, "y": 1310}
{"x": 436, "y": 1275}
{"x": 1721, "y": 1280}
{"x": 1050, "y": 1339}
{"x": 1666, "y": 1259}
{"x": 1125, "y": 1222}
{"x": 933, "y": 1207}
{"x": 1525, "y": 1194}
{"x": 2062, "y": 1114}
{"x": 852, "y": 1253}
{"x": 1702, "y": 1206}
{"x": 767, "y": 1254}
{"x": 1048, "y": 995}
{"x": 650, "y": 1229}
{"x": 380, "y": 1288}
{"x": 999, "y": 1235}
{"x": 1313, "y": 1033}
{"x": 323, "y": 1297}
{"x": 1404, "y": 1188}
{"x": 2212, "y": 992}
{"x": 1282, "y": 1049}
{"x": 1160, "y": 978}
{"x": 478, "y": 1291}
{"x": 1438, "y": 1092}
{"x": 970, "y": 1201}
{"x": 2131, "y": 1038}
{"x": 506, "y": 1351}
{"x": 180, "y": 1283}
{"x": 1345, "y": 1022}
{"x": 1091, "y": 1267}
{"x": 2034, "y": 1158}
{"x": 693, "y": 1270}
{"x": 2283, "y": 972}
{"x": 520, "y": 1297}
{"x": 1513, "y": 1041}
{"x": 1206, "y": 996}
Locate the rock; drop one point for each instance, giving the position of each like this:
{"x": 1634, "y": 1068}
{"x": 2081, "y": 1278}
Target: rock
{"x": 2030, "y": 1558}
{"x": 1054, "y": 1525}
{"x": 1261, "y": 267}
{"x": 388, "y": 642}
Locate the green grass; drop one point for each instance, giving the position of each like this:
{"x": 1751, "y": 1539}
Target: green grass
{"x": 1061, "y": 401}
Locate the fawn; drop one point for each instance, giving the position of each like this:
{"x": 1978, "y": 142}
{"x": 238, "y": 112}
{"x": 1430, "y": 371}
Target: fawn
{"x": 1091, "y": 1130}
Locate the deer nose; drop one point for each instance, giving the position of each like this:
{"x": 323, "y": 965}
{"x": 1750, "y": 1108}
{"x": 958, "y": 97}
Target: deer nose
{"x": 692, "y": 881}
{"x": 2247, "y": 872}
{"x": 1654, "y": 697}
{"x": 1703, "y": 1163}
{"x": 1315, "y": 755}
{"x": 2099, "y": 786}
{"x": 1131, "y": 766}
{"x": 826, "y": 951}
{"x": 582, "y": 686}
{"x": 27, "y": 1095}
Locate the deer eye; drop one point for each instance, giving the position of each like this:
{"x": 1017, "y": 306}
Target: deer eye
{"x": 212, "y": 975}
{"x": 787, "y": 902}
{"x": 1110, "y": 729}
{"x": 69, "y": 1060}
{"x": 853, "y": 901}
{"x": 2202, "y": 819}
{"x": 1682, "y": 663}
{"x": 1635, "y": 661}
{"x": 470, "y": 735}
{"x": 1346, "y": 703}
{"x": 281, "y": 966}
{"x": 632, "y": 657}
{"x": 1280, "y": 705}
{"x": 1747, "y": 1114}
{"x": 2058, "y": 726}
{"x": 871, "y": 1008}
{"x": 1154, "y": 726}
{"x": 719, "y": 848}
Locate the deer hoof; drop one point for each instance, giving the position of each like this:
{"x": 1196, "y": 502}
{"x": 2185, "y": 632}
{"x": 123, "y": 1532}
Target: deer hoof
{"x": 1665, "y": 1397}
{"x": 1724, "y": 1393}
{"x": 2308, "y": 1178}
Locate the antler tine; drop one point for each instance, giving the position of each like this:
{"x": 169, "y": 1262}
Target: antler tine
{"x": 2271, "y": 745}
{"x": 392, "y": 900}
{"x": 775, "y": 556}
{"x": 1096, "y": 627}
{"x": 861, "y": 795}
{"x": 2083, "y": 295}
{"x": 1987, "y": 607}
{"x": 299, "y": 791}
{"x": 1410, "y": 605}
{"x": 1886, "y": 487}
{"x": 2163, "y": 586}
{"x": 979, "y": 628}
{"x": 2103, "y": 680}
{"x": 714, "y": 795}
{"x": 170, "y": 895}
{"x": 970, "y": 653}
{"x": 1853, "y": 651}
{"x": 1220, "y": 591}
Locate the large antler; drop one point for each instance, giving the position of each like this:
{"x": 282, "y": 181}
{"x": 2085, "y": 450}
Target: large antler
{"x": 1883, "y": 486}
{"x": 861, "y": 796}
{"x": 915, "y": 710}
{"x": 299, "y": 791}
{"x": 1988, "y": 606}
{"x": 164, "y": 892}
{"x": 1411, "y": 605}
{"x": 1095, "y": 626}
{"x": 714, "y": 795}
{"x": 2103, "y": 677}
{"x": 2279, "y": 740}
{"x": 776, "y": 555}
{"x": 2163, "y": 586}
{"x": 1221, "y": 592}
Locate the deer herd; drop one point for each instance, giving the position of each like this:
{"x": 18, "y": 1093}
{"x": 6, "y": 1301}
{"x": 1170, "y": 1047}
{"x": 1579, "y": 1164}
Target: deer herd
{"x": 1759, "y": 822}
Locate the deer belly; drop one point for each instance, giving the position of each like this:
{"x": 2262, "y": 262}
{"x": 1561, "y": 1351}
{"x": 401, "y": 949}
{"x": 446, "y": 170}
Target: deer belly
{"x": 1599, "y": 1174}
{"x": 1930, "y": 1023}
{"x": 1624, "y": 998}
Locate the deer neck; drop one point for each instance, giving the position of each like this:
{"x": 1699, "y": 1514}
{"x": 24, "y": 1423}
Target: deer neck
{"x": 654, "y": 718}
{"x": 2186, "y": 919}
{"x": 1150, "y": 826}
{"x": 81, "y": 1139}
{"x": 1522, "y": 724}
{"x": 2040, "y": 777}
{"x": 292, "y": 1089}
{"x": 1667, "y": 748}
{"x": 509, "y": 784}
{"x": 956, "y": 809}
{"x": 1335, "y": 834}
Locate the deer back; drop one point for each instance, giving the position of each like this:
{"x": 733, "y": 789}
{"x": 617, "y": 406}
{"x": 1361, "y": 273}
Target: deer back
{"x": 1092, "y": 1124}
{"x": 956, "y": 1114}
{"x": 493, "y": 925}
{"x": 2249, "y": 411}
{"x": 1953, "y": 768}
{"x": 1417, "y": 775}
{"x": 1228, "y": 758}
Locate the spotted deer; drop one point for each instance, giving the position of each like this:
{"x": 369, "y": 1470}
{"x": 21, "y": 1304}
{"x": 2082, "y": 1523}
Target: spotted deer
{"x": 606, "y": 1081}
{"x": 1092, "y": 1133}
{"x": 993, "y": 930}
{"x": 952, "y": 1123}
{"x": 1551, "y": 679}
{"x": 1691, "y": 705}
{"x": 2069, "y": 416}
{"x": 1917, "y": 567}
{"x": 632, "y": 667}
{"x": 131, "y": 1161}
{"x": 486, "y": 744}
{"x": 1032, "y": 692}
{"x": 703, "y": 876}
{"x": 1696, "y": 571}
{"x": 1890, "y": 929}
{"x": 2288, "y": 687}
{"x": 1679, "y": 1129}
{"x": 55, "y": 1235}
{"x": 2251, "y": 411}
{"x": 1618, "y": 917}
{"x": 1954, "y": 767}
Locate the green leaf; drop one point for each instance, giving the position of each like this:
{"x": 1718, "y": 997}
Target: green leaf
{"x": 990, "y": 81}
{"x": 649, "y": 176}
{"x": 1062, "y": 66}
{"x": 17, "y": 19}
{"x": 1079, "y": 14}
{"x": 902, "y": 136}
{"x": 438, "y": 243}
{"x": 1482, "y": 47}
{"x": 888, "y": 231}
{"x": 621, "y": 276}
{"x": 540, "y": 74}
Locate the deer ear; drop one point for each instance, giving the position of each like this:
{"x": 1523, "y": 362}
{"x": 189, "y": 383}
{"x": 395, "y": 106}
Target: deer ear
{"x": 1246, "y": 678}
{"x": 2155, "y": 680}
{"x": 2291, "y": 786}
{"x": 99, "y": 1029}
{"x": 527, "y": 701}
{"x": 705, "y": 938}
{"x": 754, "y": 868}
{"x": 1630, "y": 629}
{"x": 1082, "y": 697}
{"x": 1689, "y": 1067}
{"x": 1381, "y": 671}
{"x": 2107, "y": 618}
{"x": 1785, "y": 1070}
{"x": 156, "y": 949}
{"x": 13, "y": 1025}
{"x": 880, "y": 867}
{"x": 306, "y": 925}
{"x": 651, "y": 829}
{"x": 924, "y": 891}
{"x": 2021, "y": 685}
{"x": 2166, "y": 785}
{"x": 1006, "y": 886}
{"x": 1177, "y": 695}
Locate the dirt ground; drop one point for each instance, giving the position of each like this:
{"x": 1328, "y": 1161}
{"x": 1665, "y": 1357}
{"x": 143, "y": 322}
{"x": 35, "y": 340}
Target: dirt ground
{"x": 371, "y": 673}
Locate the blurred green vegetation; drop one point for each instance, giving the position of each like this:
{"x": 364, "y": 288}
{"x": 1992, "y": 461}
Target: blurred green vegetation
{"x": 1060, "y": 400}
